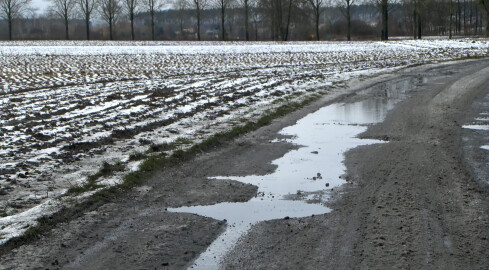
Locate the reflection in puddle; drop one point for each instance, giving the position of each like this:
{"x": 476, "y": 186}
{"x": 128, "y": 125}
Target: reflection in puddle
{"x": 476, "y": 142}
{"x": 298, "y": 187}
{"x": 476, "y": 127}
{"x": 480, "y": 125}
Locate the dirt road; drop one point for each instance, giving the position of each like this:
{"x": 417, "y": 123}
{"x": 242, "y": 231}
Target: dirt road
{"x": 411, "y": 203}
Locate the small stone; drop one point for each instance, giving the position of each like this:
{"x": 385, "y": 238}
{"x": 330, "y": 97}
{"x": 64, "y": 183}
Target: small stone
{"x": 287, "y": 217}
{"x": 327, "y": 184}
{"x": 315, "y": 152}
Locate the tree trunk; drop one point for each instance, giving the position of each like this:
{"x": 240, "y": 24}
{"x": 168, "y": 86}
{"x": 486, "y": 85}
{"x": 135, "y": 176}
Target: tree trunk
{"x": 459, "y": 22}
{"x": 132, "y": 25}
{"x": 471, "y": 17}
{"x": 87, "y": 25}
{"x": 198, "y": 24}
{"x": 348, "y": 21}
{"x": 278, "y": 29}
{"x": 450, "y": 23}
{"x": 465, "y": 18}
{"x": 247, "y": 30}
{"x": 67, "y": 34}
{"x": 385, "y": 20}
{"x": 286, "y": 37}
{"x": 476, "y": 21}
{"x": 152, "y": 25}
{"x": 419, "y": 26}
{"x": 110, "y": 30}
{"x": 317, "y": 23}
{"x": 223, "y": 28}
{"x": 9, "y": 28}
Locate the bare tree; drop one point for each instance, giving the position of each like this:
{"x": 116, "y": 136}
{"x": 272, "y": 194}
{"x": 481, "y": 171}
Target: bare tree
{"x": 199, "y": 6}
{"x": 413, "y": 7}
{"x": 153, "y": 6}
{"x": 223, "y": 5}
{"x": 317, "y": 6}
{"x": 345, "y": 7}
{"x": 289, "y": 15}
{"x": 279, "y": 14}
{"x": 246, "y": 7}
{"x": 12, "y": 9}
{"x": 64, "y": 10}
{"x": 247, "y": 4}
{"x": 131, "y": 7}
{"x": 385, "y": 19}
{"x": 110, "y": 10}
{"x": 418, "y": 27}
{"x": 181, "y": 6}
{"x": 87, "y": 8}
{"x": 384, "y": 7}
{"x": 256, "y": 18}
{"x": 450, "y": 20}
{"x": 485, "y": 6}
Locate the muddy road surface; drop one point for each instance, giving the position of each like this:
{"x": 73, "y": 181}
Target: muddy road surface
{"x": 417, "y": 199}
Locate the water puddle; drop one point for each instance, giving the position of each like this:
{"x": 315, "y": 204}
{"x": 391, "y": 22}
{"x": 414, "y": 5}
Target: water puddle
{"x": 476, "y": 127}
{"x": 480, "y": 124}
{"x": 476, "y": 141}
{"x": 304, "y": 177}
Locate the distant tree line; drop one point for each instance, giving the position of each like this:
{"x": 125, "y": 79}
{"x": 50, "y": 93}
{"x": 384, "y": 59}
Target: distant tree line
{"x": 243, "y": 19}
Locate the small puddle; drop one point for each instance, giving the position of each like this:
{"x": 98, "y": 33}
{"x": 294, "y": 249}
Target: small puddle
{"x": 476, "y": 141}
{"x": 304, "y": 177}
{"x": 480, "y": 124}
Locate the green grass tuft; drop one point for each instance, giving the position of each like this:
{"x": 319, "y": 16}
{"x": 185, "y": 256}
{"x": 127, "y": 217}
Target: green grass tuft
{"x": 106, "y": 170}
{"x": 137, "y": 156}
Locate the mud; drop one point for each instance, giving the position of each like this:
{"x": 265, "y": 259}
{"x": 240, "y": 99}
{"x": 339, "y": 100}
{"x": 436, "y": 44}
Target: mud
{"x": 305, "y": 177}
{"x": 476, "y": 142}
{"x": 412, "y": 202}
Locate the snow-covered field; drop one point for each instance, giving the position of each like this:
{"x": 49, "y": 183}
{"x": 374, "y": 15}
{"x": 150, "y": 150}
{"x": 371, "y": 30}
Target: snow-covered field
{"x": 67, "y": 107}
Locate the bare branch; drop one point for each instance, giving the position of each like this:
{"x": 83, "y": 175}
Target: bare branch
{"x": 13, "y": 9}
{"x": 110, "y": 12}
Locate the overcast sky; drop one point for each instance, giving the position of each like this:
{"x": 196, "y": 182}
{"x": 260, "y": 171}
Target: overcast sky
{"x": 40, "y": 5}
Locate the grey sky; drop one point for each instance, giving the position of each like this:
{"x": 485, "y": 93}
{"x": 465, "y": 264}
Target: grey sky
{"x": 40, "y": 5}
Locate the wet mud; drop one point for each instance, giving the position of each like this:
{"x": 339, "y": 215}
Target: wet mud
{"x": 408, "y": 202}
{"x": 304, "y": 178}
{"x": 413, "y": 202}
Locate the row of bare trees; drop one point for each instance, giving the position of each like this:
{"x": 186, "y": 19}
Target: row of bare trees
{"x": 280, "y": 15}
{"x": 110, "y": 11}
